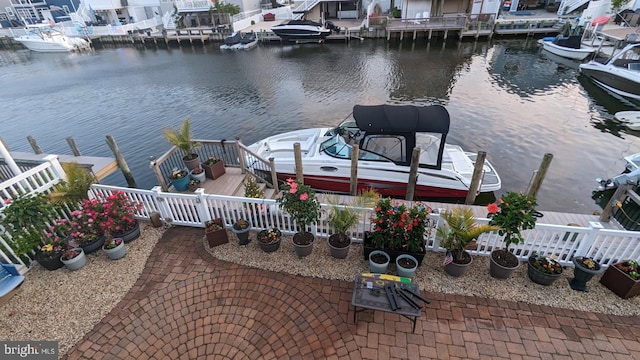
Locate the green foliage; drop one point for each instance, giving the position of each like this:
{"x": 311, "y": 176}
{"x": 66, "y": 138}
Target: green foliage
{"x": 513, "y": 213}
{"x": 617, "y": 5}
{"x": 300, "y": 202}
{"x": 75, "y": 188}
{"x": 26, "y": 219}
{"x": 343, "y": 217}
{"x": 182, "y": 139}
{"x": 395, "y": 12}
{"x": 398, "y": 227}
{"x": 224, "y": 8}
{"x": 252, "y": 190}
{"x": 460, "y": 230}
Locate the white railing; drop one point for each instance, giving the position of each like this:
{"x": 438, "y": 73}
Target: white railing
{"x": 567, "y": 6}
{"x": 39, "y": 179}
{"x": 559, "y": 241}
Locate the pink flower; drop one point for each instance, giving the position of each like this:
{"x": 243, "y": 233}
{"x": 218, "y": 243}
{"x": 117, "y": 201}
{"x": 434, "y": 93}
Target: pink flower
{"x": 293, "y": 190}
{"x": 492, "y": 208}
{"x": 304, "y": 196}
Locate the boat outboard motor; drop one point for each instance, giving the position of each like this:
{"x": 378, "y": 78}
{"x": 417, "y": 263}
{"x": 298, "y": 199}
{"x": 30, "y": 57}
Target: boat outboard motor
{"x": 632, "y": 177}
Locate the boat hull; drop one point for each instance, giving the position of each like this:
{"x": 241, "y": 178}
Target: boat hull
{"x": 569, "y": 53}
{"x": 612, "y": 79}
{"x": 290, "y": 32}
{"x": 44, "y": 46}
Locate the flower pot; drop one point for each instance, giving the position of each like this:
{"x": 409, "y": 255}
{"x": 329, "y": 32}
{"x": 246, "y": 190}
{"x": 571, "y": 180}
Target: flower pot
{"x": 77, "y": 262}
{"x": 202, "y": 177}
{"x": 214, "y": 171}
{"x": 181, "y": 184}
{"x": 582, "y": 274}
{"x": 93, "y": 246}
{"x": 49, "y": 262}
{"x": 620, "y": 283}
{"x": 130, "y": 235}
{"x": 303, "y": 243}
{"x": 336, "y": 251}
{"x": 193, "y": 163}
{"x": 499, "y": 271}
{"x": 378, "y": 267}
{"x": 217, "y": 237}
{"x": 116, "y": 253}
{"x": 539, "y": 276}
{"x": 404, "y": 271}
{"x": 367, "y": 248}
{"x": 457, "y": 270}
{"x": 270, "y": 247}
{"x": 193, "y": 187}
{"x": 243, "y": 235}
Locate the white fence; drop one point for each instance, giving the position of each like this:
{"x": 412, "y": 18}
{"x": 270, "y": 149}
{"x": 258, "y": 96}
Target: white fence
{"x": 559, "y": 241}
{"x": 40, "y": 179}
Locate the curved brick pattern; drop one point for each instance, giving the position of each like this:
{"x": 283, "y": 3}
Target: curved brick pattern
{"x": 187, "y": 305}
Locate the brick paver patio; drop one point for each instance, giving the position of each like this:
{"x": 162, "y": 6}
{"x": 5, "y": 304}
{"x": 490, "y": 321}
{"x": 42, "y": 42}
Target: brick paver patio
{"x": 187, "y": 305}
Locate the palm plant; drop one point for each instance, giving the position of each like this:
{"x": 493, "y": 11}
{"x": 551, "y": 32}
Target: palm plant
{"x": 460, "y": 231}
{"x": 75, "y": 189}
{"x": 182, "y": 139}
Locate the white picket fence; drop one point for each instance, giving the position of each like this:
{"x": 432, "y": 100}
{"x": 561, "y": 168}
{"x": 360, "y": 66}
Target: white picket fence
{"x": 39, "y": 179}
{"x": 558, "y": 241}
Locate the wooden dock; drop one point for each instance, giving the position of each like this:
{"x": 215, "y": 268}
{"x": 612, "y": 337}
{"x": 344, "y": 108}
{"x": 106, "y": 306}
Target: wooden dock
{"x": 100, "y": 166}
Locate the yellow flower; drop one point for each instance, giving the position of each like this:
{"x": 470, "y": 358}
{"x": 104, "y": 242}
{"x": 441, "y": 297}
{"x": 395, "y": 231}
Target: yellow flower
{"x": 47, "y": 247}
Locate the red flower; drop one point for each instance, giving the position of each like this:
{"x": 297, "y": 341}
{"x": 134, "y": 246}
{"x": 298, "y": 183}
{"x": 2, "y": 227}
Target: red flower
{"x": 493, "y": 208}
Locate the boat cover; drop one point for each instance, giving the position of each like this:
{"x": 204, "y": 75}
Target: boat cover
{"x": 573, "y": 41}
{"x": 401, "y": 118}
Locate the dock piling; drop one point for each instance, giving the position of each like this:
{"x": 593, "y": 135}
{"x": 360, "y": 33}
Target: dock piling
{"x": 353, "y": 188}
{"x": 297, "y": 153}
{"x": 72, "y": 145}
{"x": 413, "y": 174}
{"x": 540, "y": 174}
{"x": 475, "y": 178}
{"x": 131, "y": 182}
{"x": 34, "y": 145}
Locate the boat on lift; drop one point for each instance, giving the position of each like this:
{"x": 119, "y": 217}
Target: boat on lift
{"x": 386, "y": 136}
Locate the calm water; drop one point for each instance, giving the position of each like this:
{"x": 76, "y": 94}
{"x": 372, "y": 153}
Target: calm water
{"x": 505, "y": 98}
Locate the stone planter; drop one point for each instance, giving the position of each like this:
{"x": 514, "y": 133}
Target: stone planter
{"x": 193, "y": 163}
{"x": 116, "y": 253}
{"x": 338, "y": 252}
{"x": 407, "y": 272}
{"x": 620, "y": 283}
{"x": 376, "y": 267}
{"x": 367, "y": 248}
{"x": 200, "y": 177}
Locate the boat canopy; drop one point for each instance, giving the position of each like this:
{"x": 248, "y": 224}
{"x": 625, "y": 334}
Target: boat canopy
{"x": 401, "y": 118}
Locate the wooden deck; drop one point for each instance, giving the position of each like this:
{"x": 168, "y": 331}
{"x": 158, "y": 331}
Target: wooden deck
{"x": 232, "y": 184}
{"x": 101, "y": 166}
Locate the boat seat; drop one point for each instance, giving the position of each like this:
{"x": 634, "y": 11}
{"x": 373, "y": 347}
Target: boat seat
{"x": 10, "y": 279}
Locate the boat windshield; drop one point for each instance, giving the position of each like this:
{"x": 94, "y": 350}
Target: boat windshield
{"x": 429, "y": 145}
{"x": 340, "y": 145}
{"x": 629, "y": 59}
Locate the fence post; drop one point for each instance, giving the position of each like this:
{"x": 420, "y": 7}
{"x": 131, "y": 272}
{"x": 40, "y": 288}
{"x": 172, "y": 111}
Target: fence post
{"x": 243, "y": 160}
{"x": 153, "y": 164}
{"x": 4, "y": 152}
{"x": 161, "y": 204}
{"x": 203, "y": 209}
{"x": 587, "y": 242}
{"x": 55, "y": 165}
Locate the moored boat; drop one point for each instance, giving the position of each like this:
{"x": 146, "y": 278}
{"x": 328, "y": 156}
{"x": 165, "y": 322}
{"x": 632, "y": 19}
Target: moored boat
{"x": 240, "y": 41}
{"x": 49, "y": 38}
{"x": 386, "y": 135}
{"x": 301, "y": 30}
{"x": 620, "y": 74}
{"x": 570, "y": 47}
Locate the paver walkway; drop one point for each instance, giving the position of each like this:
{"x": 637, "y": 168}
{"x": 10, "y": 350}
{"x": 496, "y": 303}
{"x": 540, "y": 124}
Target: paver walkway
{"x": 187, "y": 305}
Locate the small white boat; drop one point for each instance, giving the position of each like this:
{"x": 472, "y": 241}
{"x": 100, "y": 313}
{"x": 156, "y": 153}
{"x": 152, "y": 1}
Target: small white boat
{"x": 386, "y": 135}
{"x": 240, "y": 41}
{"x": 301, "y": 30}
{"x": 570, "y": 47}
{"x": 49, "y": 38}
{"x": 630, "y": 119}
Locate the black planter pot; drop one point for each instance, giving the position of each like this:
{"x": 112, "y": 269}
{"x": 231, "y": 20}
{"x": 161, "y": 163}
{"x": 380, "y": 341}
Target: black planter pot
{"x": 581, "y": 275}
{"x": 243, "y": 235}
{"x": 93, "y": 246}
{"x": 540, "y": 277}
{"x": 49, "y": 262}
{"x": 501, "y": 272}
{"x": 367, "y": 248}
{"x": 130, "y": 235}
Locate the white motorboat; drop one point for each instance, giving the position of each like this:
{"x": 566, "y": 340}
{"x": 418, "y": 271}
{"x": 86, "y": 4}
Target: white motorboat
{"x": 301, "y": 30}
{"x": 630, "y": 119}
{"x": 630, "y": 175}
{"x": 48, "y": 38}
{"x": 386, "y": 135}
{"x": 570, "y": 47}
{"x": 620, "y": 74}
{"x": 240, "y": 41}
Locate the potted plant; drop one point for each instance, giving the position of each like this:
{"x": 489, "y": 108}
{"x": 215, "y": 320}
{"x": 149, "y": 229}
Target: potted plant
{"x": 398, "y": 229}
{"x": 75, "y": 188}
{"x": 458, "y": 233}
{"x": 543, "y": 270}
{"x": 406, "y": 265}
{"x": 378, "y": 261}
{"x": 85, "y": 226}
{"x": 583, "y": 271}
{"x": 179, "y": 179}
{"x": 241, "y": 228}
{"x": 623, "y": 279}
{"x": 26, "y": 219}
{"x": 183, "y": 140}
{"x": 74, "y": 258}
{"x": 119, "y": 219}
{"x": 513, "y": 213}
{"x": 114, "y": 248}
{"x": 193, "y": 184}
{"x": 215, "y": 232}
{"x": 198, "y": 174}
{"x": 342, "y": 218}
{"x": 253, "y": 191}
{"x": 269, "y": 239}
{"x": 213, "y": 168}
{"x": 300, "y": 202}
{"x": 55, "y": 242}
